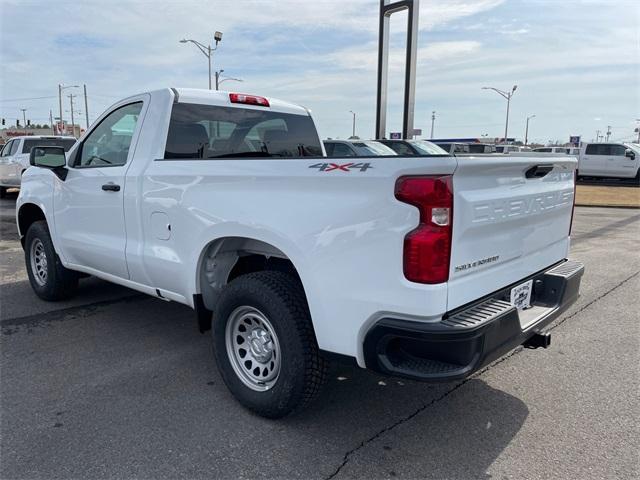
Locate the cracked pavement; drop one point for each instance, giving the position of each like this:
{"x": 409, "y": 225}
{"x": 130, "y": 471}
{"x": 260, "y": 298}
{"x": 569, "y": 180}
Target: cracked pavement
{"x": 116, "y": 384}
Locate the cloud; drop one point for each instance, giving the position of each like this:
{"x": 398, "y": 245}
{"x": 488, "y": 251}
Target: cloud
{"x": 572, "y": 60}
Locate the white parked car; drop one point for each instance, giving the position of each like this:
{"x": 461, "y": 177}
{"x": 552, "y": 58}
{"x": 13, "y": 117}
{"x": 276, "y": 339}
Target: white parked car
{"x": 560, "y": 150}
{"x": 422, "y": 267}
{"x": 508, "y": 149}
{"x": 356, "y": 148}
{"x": 614, "y": 160}
{"x": 14, "y": 157}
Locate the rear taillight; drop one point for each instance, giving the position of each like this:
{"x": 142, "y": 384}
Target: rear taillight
{"x": 573, "y": 207}
{"x": 248, "y": 99}
{"x": 427, "y": 248}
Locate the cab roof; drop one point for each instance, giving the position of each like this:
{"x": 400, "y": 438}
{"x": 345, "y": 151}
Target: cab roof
{"x": 221, "y": 98}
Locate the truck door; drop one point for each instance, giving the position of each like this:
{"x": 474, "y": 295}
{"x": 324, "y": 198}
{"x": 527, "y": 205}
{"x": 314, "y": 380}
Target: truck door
{"x": 618, "y": 165}
{"x": 89, "y": 204}
{"x": 593, "y": 160}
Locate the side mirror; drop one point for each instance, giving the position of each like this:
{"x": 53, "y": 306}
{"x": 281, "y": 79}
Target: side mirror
{"x": 47, "y": 157}
{"x": 52, "y": 158}
{"x": 630, "y": 153}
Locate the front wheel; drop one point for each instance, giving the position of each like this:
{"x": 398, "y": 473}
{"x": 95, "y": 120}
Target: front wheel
{"x": 49, "y": 279}
{"x": 264, "y": 344}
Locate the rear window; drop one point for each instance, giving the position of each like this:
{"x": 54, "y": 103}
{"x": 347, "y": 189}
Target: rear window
{"x": 65, "y": 143}
{"x": 375, "y": 148}
{"x": 207, "y": 131}
{"x": 428, "y": 148}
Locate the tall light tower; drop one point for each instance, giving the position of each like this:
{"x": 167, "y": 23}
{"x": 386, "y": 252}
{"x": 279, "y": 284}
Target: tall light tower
{"x": 507, "y": 96}
{"x": 526, "y": 131}
{"x": 206, "y": 50}
{"x": 353, "y": 128}
{"x": 433, "y": 121}
{"x": 24, "y": 119}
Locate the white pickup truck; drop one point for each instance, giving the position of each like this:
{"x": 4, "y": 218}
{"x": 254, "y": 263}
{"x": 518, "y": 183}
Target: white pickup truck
{"x": 426, "y": 268}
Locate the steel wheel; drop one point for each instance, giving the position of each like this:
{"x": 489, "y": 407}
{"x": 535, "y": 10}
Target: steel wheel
{"x": 253, "y": 348}
{"x": 39, "y": 262}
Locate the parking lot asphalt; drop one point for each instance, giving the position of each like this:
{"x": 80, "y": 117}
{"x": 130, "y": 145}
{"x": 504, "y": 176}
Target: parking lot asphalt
{"x": 116, "y": 384}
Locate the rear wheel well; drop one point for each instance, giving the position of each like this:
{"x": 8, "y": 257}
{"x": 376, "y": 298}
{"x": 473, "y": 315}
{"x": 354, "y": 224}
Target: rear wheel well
{"x": 28, "y": 214}
{"x": 226, "y": 259}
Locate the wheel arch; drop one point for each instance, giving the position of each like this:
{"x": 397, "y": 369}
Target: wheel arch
{"x": 27, "y": 215}
{"x": 226, "y": 258}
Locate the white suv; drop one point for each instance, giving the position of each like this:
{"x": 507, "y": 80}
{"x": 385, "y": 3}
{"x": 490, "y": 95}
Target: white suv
{"x": 617, "y": 160}
{"x": 14, "y": 158}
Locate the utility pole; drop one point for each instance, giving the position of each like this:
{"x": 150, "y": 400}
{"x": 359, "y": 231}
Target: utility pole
{"x": 608, "y": 132}
{"x": 24, "y": 119}
{"x": 507, "y": 96}
{"x": 60, "y": 89}
{"x": 433, "y": 121}
{"x": 353, "y": 128}
{"x": 61, "y": 124}
{"x": 597, "y": 136}
{"x": 86, "y": 106}
{"x": 526, "y": 132}
{"x": 73, "y": 123}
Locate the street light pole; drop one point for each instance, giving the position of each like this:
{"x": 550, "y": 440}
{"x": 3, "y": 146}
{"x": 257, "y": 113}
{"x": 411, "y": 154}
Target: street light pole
{"x": 433, "y": 121}
{"x": 353, "y": 128}
{"x": 206, "y": 50}
{"x": 86, "y": 106}
{"x": 507, "y": 96}
{"x": 24, "y": 119}
{"x": 526, "y": 132}
{"x": 220, "y": 80}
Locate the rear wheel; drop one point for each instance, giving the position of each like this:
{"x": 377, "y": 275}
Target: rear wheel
{"x": 49, "y": 279}
{"x": 264, "y": 344}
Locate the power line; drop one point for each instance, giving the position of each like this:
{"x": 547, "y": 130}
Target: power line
{"x": 24, "y": 99}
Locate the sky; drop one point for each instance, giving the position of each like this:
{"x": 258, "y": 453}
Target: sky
{"x": 576, "y": 62}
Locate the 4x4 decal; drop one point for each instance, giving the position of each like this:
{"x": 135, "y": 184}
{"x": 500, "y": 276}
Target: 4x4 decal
{"x": 345, "y": 167}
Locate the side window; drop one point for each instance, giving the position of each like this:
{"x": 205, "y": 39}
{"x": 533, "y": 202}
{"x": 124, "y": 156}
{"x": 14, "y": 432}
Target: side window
{"x": 402, "y": 149}
{"x": 593, "y": 149}
{"x": 14, "y": 147}
{"x": 108, "y": 144}
{"x": 618, "y": 150}
{"x": 329, "y": 149}
{"x": 7, "y": 148}
{"x": 342, "y": 150}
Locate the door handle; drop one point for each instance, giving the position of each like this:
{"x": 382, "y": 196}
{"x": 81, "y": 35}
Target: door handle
{"x": 111, "y": 187}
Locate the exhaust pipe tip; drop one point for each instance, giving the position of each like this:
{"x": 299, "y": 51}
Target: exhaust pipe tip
{"x": 538, "y": 340}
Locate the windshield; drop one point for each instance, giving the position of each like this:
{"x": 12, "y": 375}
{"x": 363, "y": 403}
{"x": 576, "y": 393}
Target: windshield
{"x": 428, "y": 148}
{"x": 65, "y": 143}
{"x": 375, "y": 148}
{"x": 207, "y": 131}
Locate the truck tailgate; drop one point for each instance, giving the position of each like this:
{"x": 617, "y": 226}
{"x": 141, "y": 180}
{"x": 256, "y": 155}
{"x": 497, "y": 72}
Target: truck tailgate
{"x": 511, "y": 218}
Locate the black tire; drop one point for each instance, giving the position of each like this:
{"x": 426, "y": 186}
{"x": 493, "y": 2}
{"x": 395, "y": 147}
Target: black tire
{"x": 302, "y": 372}
{"x": 3, "y": 192}
{"x": 60, "y": 283}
